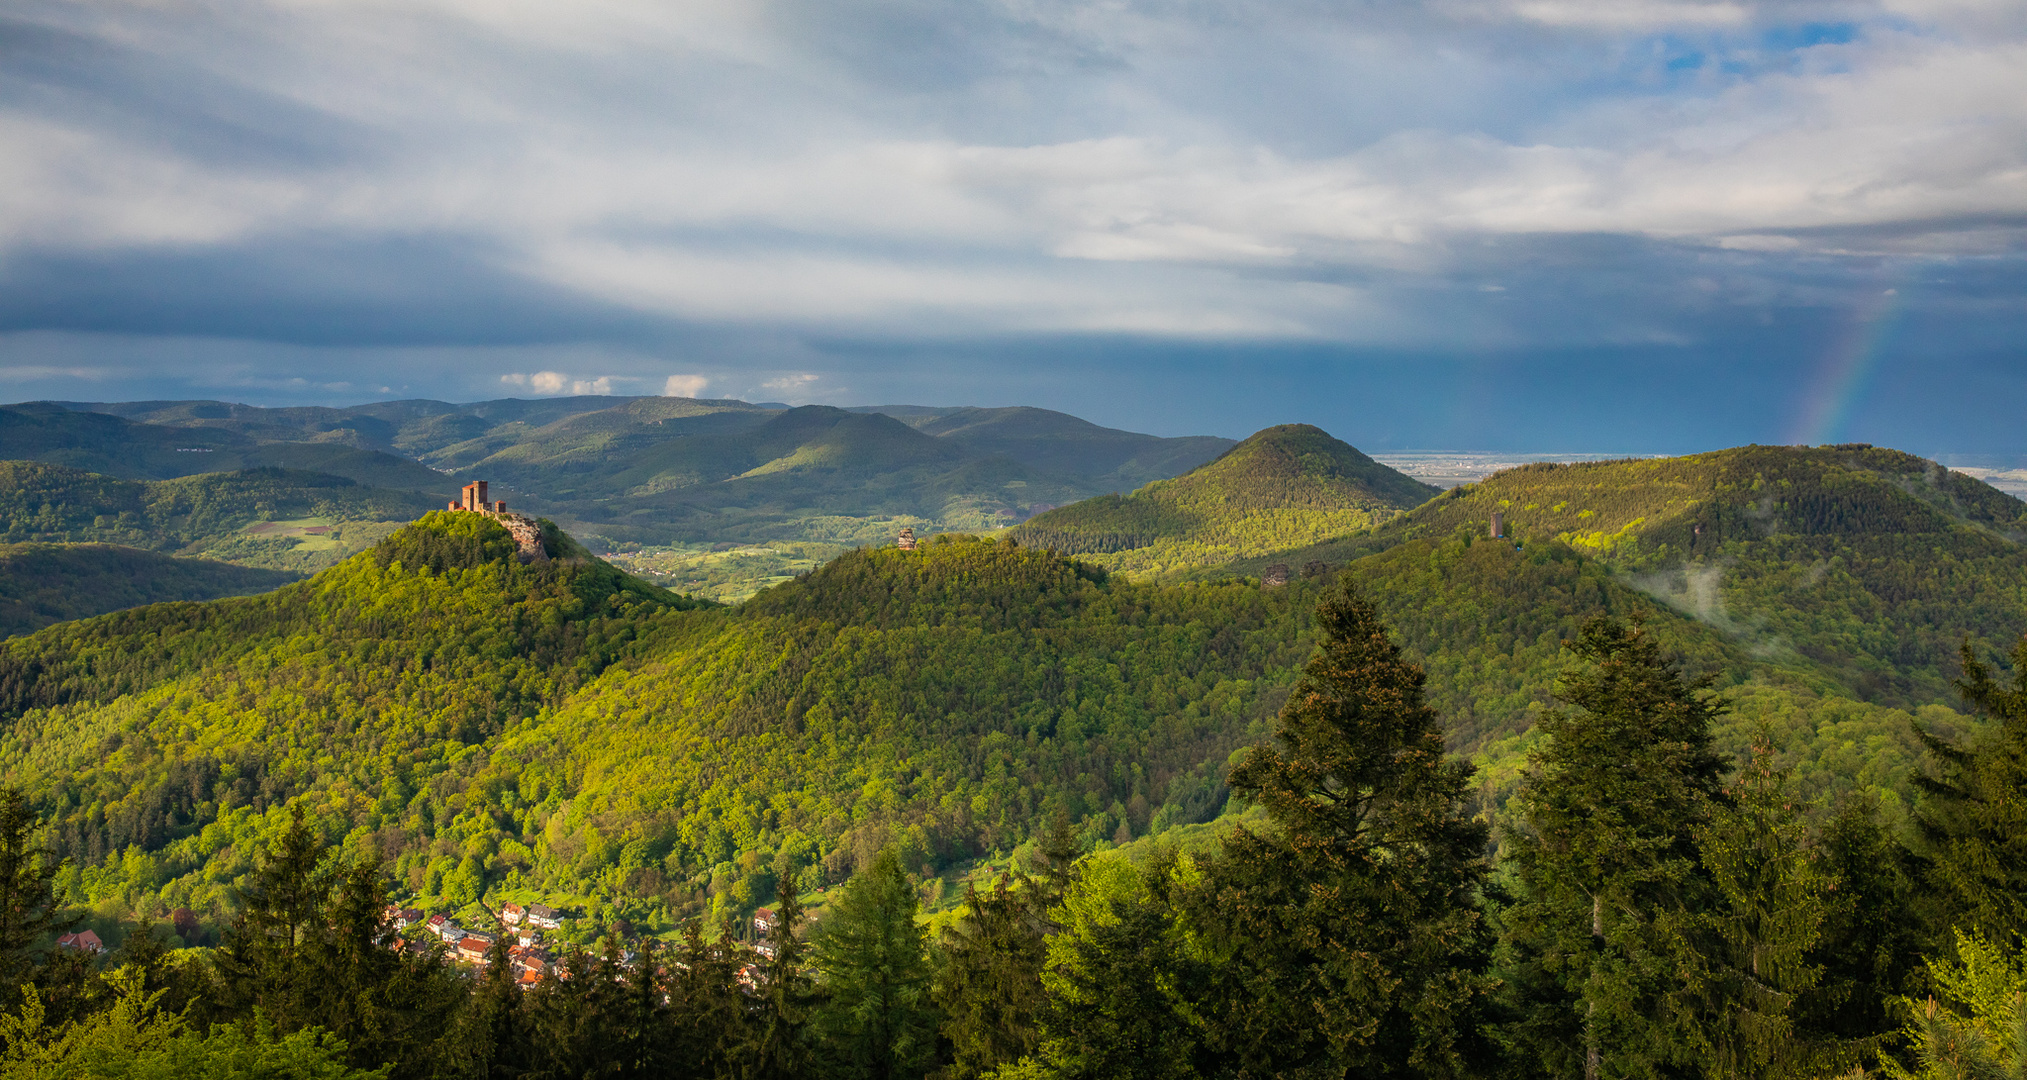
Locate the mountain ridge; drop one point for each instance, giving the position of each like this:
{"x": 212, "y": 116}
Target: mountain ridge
{"x": 1278, "y": 489}
{"x": 642, "y": 470}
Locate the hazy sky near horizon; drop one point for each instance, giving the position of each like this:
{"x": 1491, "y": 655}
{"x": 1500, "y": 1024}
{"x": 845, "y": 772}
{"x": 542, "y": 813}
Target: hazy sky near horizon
{"x": 1640, "y": 225}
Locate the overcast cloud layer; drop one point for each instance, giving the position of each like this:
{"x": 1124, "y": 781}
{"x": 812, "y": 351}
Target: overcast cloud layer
{"x": 1625, "y": 224}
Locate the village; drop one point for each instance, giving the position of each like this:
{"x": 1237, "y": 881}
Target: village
{"x": 530, "y": 952}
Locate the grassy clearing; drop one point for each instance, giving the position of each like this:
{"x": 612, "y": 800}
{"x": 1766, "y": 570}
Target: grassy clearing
{"x": 722, "y": 572}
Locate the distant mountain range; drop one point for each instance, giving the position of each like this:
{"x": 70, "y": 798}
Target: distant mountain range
{"x": 647, "y": 470}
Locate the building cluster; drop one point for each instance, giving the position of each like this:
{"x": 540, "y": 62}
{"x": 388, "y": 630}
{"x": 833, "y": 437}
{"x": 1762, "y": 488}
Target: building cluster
{"x": 523, "y": 923}
{"x": 419, "y": 932}
{"x": 527, "y": 535}
{"x": 81, "y": 941}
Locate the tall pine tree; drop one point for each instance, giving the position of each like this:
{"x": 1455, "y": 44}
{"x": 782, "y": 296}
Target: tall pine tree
{"x": 28, "y": 909}
{"x": 878, "y": 1018}
{"x": 781, "y": 1047}
{"x": 1973, "y": 814}
{"x": 1606, "y": 860}
{"x": 1353, "y": 927}
{"x": 310, "y": 948}
{"x": 989, "y": 985}
{"x": 1748, "y": 960}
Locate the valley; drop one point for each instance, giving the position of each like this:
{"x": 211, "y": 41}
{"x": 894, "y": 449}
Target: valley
{"x": 663, "y": 736}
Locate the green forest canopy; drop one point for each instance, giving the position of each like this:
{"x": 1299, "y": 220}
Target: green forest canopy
{"x": 560, "y": 730}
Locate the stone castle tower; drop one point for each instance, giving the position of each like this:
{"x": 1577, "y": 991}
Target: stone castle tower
{"x": 527, "y": 535}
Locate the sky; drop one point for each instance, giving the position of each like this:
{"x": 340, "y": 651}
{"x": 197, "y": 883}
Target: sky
{"x": 1543, "y": 225}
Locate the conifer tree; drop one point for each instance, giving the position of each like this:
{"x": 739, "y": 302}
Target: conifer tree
{"x": 1973, "y": 817}
{"x": 878, "y": 1017}
{"x": 1606, "y": 859}
{"x": 493, "y": 1043}
{"x": 989, "y": 985}
{"x": 1129, "y": 979}
{"x": 310, "y": 948}
{"x": 1353, "y": 926}
{"x": 260, "y": 961}
{"x": 711, "y": 1017}
{"x": 645, "y": 1034}
{"x": 1870, "y": 946}
{"x": 28, "y": 908}
{"x": 1748, "y": 959}
{"x": 780, "y": 1049}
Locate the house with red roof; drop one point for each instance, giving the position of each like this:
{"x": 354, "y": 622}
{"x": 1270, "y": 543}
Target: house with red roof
{"x": 82, "y": 941}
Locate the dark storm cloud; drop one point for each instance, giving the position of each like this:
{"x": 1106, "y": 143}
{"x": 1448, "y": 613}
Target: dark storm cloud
{"x": 1653, "y": 218}
{"x": 318, "y": 290}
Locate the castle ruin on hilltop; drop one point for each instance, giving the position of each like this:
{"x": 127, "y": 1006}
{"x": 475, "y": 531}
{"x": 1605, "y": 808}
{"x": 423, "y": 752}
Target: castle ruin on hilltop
{"x": 527, "y": 535}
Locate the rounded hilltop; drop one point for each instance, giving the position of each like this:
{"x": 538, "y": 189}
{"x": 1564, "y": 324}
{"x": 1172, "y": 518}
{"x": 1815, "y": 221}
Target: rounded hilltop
{"x": 1664, "y": 510}
{"x": 1284, "y": 487}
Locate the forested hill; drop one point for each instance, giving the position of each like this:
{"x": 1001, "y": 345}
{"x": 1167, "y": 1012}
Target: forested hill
{"x": 269, "y": 517}
{"x": 462, "y": 713}
{"x": 1656, "y": 511}
{"x": 1283, "y": 488}
{"x": 1868, "y": 565}
{"x": 170, "y": 732}
{"x": 559, "y": 731}
{"x": 41, "y": 584}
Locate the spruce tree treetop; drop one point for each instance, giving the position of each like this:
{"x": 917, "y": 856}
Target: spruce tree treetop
{"x": 1973, "y": 814}
{"x": 1357, "y": 942}
{"x": 1356, "y": 768}
{"x": 873, "y": 956}
{"x": 1628, "y": 771}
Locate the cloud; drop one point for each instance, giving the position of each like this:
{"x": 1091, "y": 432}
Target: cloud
{"x": 571, "y": 193}
{"x": 555, "y": 382}
{"x": 797, "y": 381}
{"x": 686, "y": 386}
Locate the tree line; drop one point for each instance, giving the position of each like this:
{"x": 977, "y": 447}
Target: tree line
{"x": 1644, "y": 908}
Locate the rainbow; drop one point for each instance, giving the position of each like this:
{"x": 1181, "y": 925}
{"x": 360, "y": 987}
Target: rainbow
{"x": 1841, "y": 380}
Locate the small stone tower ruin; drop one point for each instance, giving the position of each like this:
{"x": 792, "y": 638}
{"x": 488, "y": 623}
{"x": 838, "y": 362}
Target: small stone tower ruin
{"x": 474, "y": 499}
{"x": 1498, "y": 525}
{"x": 527, "y": 535}
{"x": 906, "y": 541}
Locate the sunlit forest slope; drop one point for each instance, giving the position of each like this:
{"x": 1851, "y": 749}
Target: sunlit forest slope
{"x": 1282, "y": 488}
{"x": 561, "y": 729}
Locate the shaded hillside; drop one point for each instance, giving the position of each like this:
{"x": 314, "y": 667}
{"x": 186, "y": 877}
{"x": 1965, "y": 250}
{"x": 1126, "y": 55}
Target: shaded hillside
{"x": 103, "y": 443}
{"x": 274, "y": 518}
{"x": 42, "y": 584}
{"x": 813, "y": 473}
{"x": 1285, "y": 487}
{"x": 1868, "y": 566}
{"x": 1059, "y": 443}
